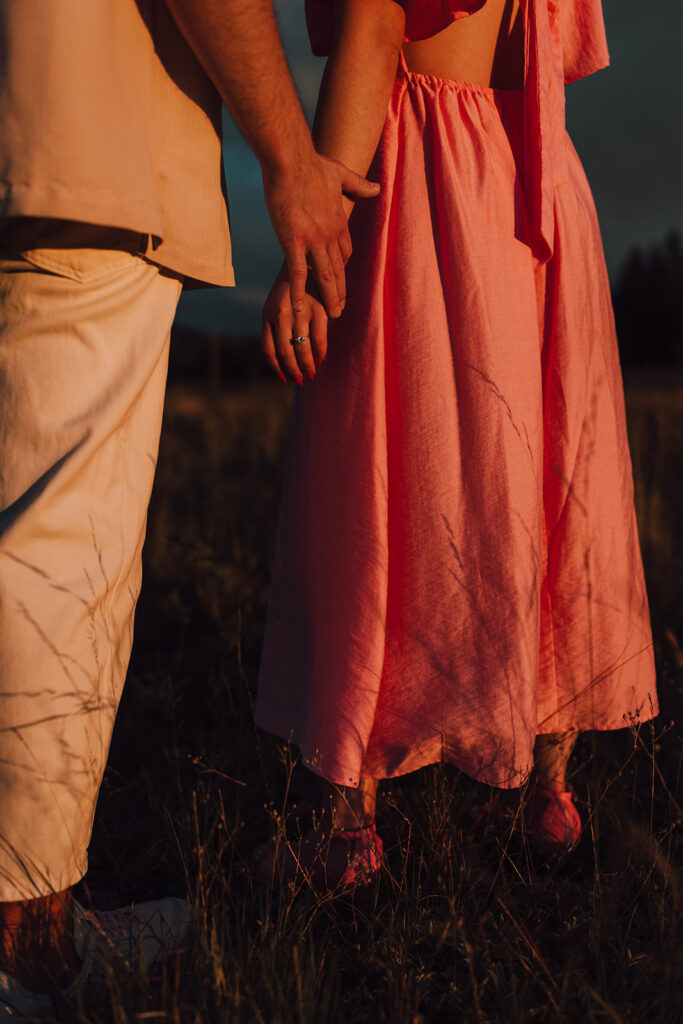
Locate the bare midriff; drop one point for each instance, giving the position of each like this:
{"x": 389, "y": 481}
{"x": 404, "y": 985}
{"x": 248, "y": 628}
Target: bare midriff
{"x": 486, "y": 48}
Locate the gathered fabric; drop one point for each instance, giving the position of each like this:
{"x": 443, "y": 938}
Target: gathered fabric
{"x": 458, "y": 566}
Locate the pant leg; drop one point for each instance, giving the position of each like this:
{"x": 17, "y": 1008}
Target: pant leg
{"x": 83, "y": 362}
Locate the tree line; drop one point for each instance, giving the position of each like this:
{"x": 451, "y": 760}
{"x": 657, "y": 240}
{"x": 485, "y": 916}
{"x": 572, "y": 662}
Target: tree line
{"x": 648, "y": 305}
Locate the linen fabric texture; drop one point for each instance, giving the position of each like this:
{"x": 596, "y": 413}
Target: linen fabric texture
{"x": 84, "y": 334}
{"x": 107, "y": 117}
{"x": 458, "y": 565}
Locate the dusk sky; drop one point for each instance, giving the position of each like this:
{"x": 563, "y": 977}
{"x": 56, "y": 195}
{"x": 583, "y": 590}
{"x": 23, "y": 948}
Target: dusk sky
{"x": 626, "y": 124}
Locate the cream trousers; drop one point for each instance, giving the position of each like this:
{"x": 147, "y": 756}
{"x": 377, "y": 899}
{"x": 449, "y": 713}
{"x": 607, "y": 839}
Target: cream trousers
{"x": 84, "y": 333}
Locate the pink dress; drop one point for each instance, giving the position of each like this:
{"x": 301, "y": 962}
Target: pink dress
{"x": 458, "y": 566}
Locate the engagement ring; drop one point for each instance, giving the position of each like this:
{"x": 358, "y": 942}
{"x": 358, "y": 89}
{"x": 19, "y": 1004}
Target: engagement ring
{"x": 301, "y": 340}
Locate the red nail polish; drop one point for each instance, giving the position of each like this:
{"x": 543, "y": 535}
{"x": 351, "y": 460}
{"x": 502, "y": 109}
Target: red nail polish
{"x": 310, "y": 374}
{"x": 319, "y": 361}
{"x": 282, "y": 376}
{"x": 300, "y": 381}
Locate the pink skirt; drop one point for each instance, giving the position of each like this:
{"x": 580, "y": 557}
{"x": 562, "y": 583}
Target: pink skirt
{"x": 458, "y": 566}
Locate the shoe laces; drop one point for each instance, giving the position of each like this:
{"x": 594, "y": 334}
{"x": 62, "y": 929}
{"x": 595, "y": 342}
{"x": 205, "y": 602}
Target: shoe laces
{"x": 115, "y": 920}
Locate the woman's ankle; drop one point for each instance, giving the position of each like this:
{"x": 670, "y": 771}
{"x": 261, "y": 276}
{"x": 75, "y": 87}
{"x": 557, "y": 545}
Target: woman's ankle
{"x": 551, "y": 757}
{"x": 350, "y": 808}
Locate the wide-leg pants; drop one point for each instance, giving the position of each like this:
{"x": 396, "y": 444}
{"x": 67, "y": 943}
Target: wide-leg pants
{"x": 84, "y": 334}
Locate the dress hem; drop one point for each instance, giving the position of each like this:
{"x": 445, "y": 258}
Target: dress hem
{"x": 515, "y": 779}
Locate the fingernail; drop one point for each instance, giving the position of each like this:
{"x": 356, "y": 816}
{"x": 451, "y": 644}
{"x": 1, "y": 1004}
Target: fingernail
{"x": 310, "y": 374}
{"x": 319, "y": 361}
{"x": 337, "y": 311}
{"x": 282, "y": 376}
{"x": 300, "y": 381}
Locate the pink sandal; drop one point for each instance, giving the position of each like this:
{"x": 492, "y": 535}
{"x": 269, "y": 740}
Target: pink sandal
{"x": 552, "y": 821}
{"x": 365, "y": 856}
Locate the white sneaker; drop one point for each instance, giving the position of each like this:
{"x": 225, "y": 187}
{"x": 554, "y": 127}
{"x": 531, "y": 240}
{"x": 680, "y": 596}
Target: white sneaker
{"x": 136, "y": 936}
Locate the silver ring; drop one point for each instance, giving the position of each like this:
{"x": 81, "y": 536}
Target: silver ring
{"x": 300, "y": 340}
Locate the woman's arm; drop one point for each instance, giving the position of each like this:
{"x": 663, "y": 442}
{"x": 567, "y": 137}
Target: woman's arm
{"x": 352, "y": 106}
{"x": 357, "y": 82}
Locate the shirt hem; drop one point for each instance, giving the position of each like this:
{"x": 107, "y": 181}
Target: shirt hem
{"x": 196, "y": 272}
{"x": 18, "y": 200}
{"x": 59, "y": 204}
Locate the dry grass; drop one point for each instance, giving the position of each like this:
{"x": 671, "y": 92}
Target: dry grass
{"x": 463, "y": 926}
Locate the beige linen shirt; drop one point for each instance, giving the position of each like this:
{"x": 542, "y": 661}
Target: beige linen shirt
{"x": 107, "y": 117}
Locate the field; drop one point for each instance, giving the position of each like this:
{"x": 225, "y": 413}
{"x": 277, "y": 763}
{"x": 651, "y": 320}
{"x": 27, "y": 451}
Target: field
{"x": 464, "y": 926}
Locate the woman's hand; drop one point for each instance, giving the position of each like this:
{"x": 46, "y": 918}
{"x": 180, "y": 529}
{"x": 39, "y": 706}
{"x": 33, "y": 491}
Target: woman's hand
{"x": 280, "y": 324}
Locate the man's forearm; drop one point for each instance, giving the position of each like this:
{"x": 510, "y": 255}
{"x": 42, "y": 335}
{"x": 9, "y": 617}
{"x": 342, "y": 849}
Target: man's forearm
{"x": 238, "y": 43}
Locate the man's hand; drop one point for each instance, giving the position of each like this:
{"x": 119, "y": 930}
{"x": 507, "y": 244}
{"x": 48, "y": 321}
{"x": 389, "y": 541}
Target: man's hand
{"x": 305, "y": 206}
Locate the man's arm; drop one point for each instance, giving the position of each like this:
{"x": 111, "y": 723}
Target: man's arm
{"x": 237, "y": 42}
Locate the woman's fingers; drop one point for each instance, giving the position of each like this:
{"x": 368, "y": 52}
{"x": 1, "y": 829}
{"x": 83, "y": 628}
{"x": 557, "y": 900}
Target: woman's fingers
{"x": 285, "y": 349}
{"x": 268, "y": 346}
{"x": 302, "y": 349}
{"x": 294, "y": 343}
{"x": 318, "y": 329}
{"x": 304, "y": 356}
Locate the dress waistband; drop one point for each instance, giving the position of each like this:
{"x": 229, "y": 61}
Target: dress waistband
{"x": 543, "y": 164}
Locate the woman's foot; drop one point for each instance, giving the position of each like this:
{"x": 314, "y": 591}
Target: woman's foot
{"x": 334, "y": 860}
{"x": 342, "y": 852}
{"x": 552, "y": 822}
